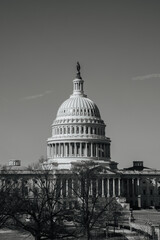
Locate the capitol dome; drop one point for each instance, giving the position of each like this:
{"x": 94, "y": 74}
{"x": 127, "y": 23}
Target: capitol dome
{"x": 78, "y": 106}
{"x": 78, "y": 132}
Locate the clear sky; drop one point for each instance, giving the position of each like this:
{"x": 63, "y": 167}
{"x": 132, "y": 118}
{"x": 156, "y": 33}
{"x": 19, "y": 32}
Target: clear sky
{"x": 117, "y": 43}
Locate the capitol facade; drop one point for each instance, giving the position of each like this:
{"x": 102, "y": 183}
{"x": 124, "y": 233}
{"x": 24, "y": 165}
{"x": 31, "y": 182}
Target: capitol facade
{"x": 78, "y": 137}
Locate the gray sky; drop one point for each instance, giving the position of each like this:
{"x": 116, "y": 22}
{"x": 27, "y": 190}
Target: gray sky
{"x": 118, "y": 46}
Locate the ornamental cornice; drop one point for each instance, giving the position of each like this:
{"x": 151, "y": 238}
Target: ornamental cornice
{"x": 80, "y": 137}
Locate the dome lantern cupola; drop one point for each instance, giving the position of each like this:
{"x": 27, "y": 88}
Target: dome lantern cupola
{"x": 78, "y": 83}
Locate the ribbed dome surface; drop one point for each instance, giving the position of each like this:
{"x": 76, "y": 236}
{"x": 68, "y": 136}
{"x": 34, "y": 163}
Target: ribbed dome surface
{"x": 78, "y": 106}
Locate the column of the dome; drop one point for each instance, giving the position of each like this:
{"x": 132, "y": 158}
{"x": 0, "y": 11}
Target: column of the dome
{"x": 80, "y": 150}
{"x": 59, "y": 153}
{"x": 75, "y": 149}
{"x": 91, "y": 149}
{"x": 61, "y": 149}
{"x": 96, "y": 150}
{"x": 86, "y": 149}
{"x": 70, "y": 149}
{"x": 57, "y": 149}
{"x": 51, "y": 150}
{"x": 64, "y": 150}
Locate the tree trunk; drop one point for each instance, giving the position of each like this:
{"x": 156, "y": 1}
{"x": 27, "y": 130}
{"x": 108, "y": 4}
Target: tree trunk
{"x": 88, "y": 233}
{"x": 37, "y": 237}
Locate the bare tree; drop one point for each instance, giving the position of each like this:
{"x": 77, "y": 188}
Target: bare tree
{"x": 37, "y": 165}
{"x": 5, "y": 190}
{"x": 92, "y": 209}
{"x": 38, "y": 207}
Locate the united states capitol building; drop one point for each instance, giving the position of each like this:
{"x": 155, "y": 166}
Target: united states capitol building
{"x": 78, "y": 136}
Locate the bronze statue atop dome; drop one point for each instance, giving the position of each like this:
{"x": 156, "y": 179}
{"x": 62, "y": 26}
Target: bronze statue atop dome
{"x": 78, "y": 71}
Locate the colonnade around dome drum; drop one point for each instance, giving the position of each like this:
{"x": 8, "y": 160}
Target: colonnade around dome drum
{"x": 78, "y": 149}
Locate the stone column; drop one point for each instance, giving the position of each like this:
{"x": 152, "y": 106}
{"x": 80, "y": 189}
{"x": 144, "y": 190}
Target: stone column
{"x": 62, "y": 149}
{"x": 108, "y": 194}
{"x": 66, "y": 187}
{"x": 66, "y": 149}
{"x": 86, "y": 149}
{"x": 96, "y": 145}
{"x": 103, "y": 187}
{"x": 80, "y": 149}
{"x": 55, "y": 150}
{"x": 119, "y": 187}
{"x": 97, "y": 187}
{"x": 50, "y": 150}
{"x": 114, "y": 187}
{"x": 59, "y": 149}
{"x": 138, "y": 193}
{"x": 70, "y": 149}
{"x": 75, "y": 149}
{"x": 91, "y": 149}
